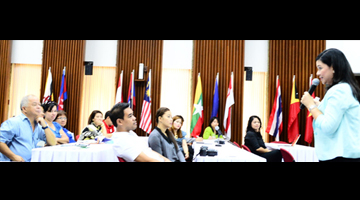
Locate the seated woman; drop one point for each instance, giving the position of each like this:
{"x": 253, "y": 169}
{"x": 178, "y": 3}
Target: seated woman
{"x": 95, "y": 127}
{"x": 256, "y": 144}
{"x": 210, "y": 132}
{"x": 61, "y": 118}
{"x": 162, "y": 140}
{"x": 50, "y": 111}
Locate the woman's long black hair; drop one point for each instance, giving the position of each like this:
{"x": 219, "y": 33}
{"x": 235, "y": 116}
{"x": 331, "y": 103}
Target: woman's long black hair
{"x": 251, "y": 119}
{"x": 336, "y": 59}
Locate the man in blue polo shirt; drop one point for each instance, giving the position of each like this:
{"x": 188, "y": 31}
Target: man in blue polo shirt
{"x": 20, "y": 134}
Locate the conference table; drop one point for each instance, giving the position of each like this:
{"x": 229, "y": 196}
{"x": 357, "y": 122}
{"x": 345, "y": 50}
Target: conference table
{"x": 226, "y": 153}
{"x": 73, "y": 153}
{"x": 300, "y": 153}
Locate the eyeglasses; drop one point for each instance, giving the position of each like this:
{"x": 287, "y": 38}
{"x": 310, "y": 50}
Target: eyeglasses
{"x": 64, "y": 118}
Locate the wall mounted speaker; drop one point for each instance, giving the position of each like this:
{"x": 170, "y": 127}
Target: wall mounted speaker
{"x": 88, "y": 67}
{"x": 248, "y": 71}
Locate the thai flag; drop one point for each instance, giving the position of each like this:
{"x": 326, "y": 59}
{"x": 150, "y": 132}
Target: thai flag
{"x": 63, "y": 92}
{"x": 274, "y": 127}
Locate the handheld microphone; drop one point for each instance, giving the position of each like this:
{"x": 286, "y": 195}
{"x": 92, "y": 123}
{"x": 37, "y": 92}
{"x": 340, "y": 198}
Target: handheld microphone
{"x": 217, "y": 128}
{"x": 315, "y": 83}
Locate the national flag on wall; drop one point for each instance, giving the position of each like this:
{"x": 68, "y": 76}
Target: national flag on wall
{"x": 197, "y": 118}
{"x": 131, "y": 93}
{"x": 145, "y": 119}
{"x": 215, "y": 106}
{"x": 119, "y": 98}
{"x": 274, "y": 127}
{"x": 63, "y": 91}
{"x": 229, "y": 102}
{"x": 293, "y": 123}
{"x": 309, "y": 132}
{"x": 48, "y": 93}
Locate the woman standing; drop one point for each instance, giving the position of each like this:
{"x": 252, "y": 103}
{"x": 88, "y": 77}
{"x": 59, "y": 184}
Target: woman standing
{"x": 162, "y": 140}
{"x": 337, "y": 117}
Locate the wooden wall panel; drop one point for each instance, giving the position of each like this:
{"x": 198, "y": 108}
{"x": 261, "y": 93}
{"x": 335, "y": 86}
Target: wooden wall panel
{"x": 69, "y": 53}
{"x": 5, "y": 74}
{"x": 130, "y": 54}
{"x": 223, "y": 56}
{"x": 288, "y": 58}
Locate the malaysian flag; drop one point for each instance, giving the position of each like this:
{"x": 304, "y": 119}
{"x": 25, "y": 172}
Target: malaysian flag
{"x": 145, "y": 119}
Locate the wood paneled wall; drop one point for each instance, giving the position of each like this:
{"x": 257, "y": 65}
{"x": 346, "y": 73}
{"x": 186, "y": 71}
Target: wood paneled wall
{"x": 223, "y": 56}
{"x": 288, "y": 58}
{"x": 5, "y": 71}
{"x": 69, "y": 53}
{"x": 130, "y": 54}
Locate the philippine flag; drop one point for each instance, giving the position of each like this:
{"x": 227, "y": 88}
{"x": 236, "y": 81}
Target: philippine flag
{"x": 63, "y": 92}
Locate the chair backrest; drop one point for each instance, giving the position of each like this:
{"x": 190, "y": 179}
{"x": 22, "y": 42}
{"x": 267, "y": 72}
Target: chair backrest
{"x": 121, "y": 159}
{"x": 287, "y": 155}
{"x": 237, "y": 144}
{"x": 77, "y": 137}
{"x": 246, "y": 148}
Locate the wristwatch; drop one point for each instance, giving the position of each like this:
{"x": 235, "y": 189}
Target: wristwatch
{"x": 45, "y": 127}
{"x": 312, "y": 107}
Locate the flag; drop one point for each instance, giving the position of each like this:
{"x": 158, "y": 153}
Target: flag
{"x": 197, "y": 118}
{"x": 229, "y": 102}
{"x": 274, "y": 127}
{"x": 309, "y": 120}
{"x": 145, "y": 119}
{"x": 48, "y": 93}
{"x": 215, "y": 107}
{"x": 119, "y": 98}
{"x": 131, "y": 91}
{"x": 63, "y": 92}
{"x": 293, "y": 123}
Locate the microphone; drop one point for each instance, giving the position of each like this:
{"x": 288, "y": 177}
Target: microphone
{"x": 315, "y": 83}
{"x": 220, "y": 133}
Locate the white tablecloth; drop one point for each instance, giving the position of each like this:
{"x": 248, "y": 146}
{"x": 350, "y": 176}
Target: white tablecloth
{"x": 71, "y": 153}
{"x": 300, "y": 153}
{"x": 226, "y": 153}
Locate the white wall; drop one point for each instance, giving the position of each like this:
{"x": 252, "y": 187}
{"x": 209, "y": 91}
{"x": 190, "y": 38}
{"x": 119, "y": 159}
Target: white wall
{"x": 101, "y": 52}
{"x": 257, "y": 55}
{"x": 27, "y": 51}
{"x": 351, "y": 49}
{"x": 178, "y": 54}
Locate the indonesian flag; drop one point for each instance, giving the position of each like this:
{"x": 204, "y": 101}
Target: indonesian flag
{"x": 119, "y": 98}
{"x": 309, "y": 132}
{"x": 197, "y": 118}
{"x": 229, "y": 102}
{"x": 63, "y": 92}
{"x": 48, "y": 94}
{"x": 131, "y": 91}
{"x": 275, "y": 125}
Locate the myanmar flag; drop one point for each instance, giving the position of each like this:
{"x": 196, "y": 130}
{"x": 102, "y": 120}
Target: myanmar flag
{"x": 197, "y": 118}
{"x": 293, "y": 123}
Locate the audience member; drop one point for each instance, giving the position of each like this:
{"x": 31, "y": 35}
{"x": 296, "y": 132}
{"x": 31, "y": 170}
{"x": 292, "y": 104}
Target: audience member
{"x": 162, "y": 140}
{"x": 95, "y": 127}
{"x": 108, "y": 124}
{"x": 20, "y": 134}
{"x": 256, "y": 144}
{"x": 127, "y": 145}
{"x": 50, "y": 109}
{"x": 210, "y": 132}
{"x": 61, "y": 118}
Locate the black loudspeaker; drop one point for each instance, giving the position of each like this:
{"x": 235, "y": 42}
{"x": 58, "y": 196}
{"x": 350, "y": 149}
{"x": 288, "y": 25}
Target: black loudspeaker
{"x": 88, "y": 67}
{"x": 248, "y": 71}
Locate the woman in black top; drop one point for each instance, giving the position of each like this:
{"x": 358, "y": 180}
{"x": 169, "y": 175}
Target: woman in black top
{"x": 256, "y": 144}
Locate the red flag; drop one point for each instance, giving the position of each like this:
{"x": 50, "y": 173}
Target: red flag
{"x": 119, "y": 98}
{"x": 293, "y": 123}
{"x": 309, "y": 120}
{"x": 229, "y": 102}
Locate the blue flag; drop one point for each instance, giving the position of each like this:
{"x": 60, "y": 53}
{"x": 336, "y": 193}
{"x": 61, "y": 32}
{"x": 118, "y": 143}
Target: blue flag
{"x": 215, "y": 107}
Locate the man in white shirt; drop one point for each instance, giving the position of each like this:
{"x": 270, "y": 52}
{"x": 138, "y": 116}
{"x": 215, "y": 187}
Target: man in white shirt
{"x": 127, "y": 144}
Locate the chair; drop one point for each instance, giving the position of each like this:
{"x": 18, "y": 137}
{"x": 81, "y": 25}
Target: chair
{"x": 77, "y": 137}
{"x": 121, "y": 159}
{"x": 246, "y": 148}
{"x": 287, "y": 155}
{"x": 279, "y": 142}
{"x": 237, "y": 144}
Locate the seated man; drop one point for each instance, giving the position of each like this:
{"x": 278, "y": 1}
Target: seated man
{"x": 20, "y": 134}
{"x": 127, "y": 144}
